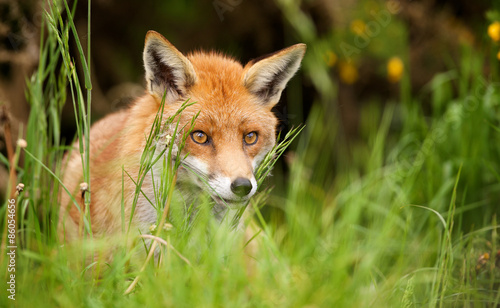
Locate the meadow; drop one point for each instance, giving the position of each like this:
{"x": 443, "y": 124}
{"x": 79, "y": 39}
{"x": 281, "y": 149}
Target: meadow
{"x": 403, "y": 216}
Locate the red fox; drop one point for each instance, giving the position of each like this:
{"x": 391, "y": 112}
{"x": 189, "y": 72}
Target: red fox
{"x": 233, "y": 132}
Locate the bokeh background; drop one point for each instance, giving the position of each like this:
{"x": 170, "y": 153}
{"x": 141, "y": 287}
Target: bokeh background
{"x": 362, "y": 55}
{"x": 427, "y": 35}
{"x": 387, "y": 198}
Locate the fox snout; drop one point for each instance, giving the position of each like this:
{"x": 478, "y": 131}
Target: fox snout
{"x": 232, "y": 191}
{"x": 241, "y": 187}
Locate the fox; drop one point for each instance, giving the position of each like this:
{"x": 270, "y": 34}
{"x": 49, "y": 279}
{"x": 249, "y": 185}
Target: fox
{"x": 233, "y": 130}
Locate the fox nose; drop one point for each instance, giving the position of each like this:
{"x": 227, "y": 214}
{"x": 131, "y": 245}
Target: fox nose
{"x": 241, "y": 187}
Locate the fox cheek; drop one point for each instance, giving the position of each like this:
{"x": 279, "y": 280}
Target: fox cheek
{"x": 258, "y": 159}
{"x": 196, "y": 167}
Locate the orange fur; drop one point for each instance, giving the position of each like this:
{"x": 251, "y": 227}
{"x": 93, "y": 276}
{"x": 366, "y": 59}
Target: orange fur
{"x": 228, "y": 111}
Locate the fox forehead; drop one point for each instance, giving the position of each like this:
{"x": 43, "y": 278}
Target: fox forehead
{"x": 225, "y": 104}
{"x": 213, "y": 67}
{"x": 220, "y": 81}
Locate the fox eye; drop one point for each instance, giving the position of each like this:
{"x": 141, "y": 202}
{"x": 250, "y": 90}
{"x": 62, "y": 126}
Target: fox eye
{"x": 199, "y": 137}
{"x": 251, "y": 138}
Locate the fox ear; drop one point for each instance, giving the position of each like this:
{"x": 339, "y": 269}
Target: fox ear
{"x": 167, "y": 69}
{"x": 266, "y": 77}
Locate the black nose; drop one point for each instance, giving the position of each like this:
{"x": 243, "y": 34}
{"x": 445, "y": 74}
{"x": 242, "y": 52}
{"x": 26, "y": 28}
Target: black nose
{"x": 241, "y": 187}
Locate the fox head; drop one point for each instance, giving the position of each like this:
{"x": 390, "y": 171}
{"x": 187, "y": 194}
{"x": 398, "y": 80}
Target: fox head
{"x": 235, "y": 128}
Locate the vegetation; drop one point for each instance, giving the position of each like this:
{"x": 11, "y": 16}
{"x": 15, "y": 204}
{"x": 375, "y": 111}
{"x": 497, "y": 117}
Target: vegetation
{"x": 404, "y": 217}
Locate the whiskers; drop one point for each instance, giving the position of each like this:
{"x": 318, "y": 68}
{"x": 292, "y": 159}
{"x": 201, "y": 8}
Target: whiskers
{"x": 196, "y": 172}
{"x": 218, "y": 188}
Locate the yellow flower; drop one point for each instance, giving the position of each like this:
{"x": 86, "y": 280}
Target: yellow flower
{"x": 348, "y": 73}
{"x": 330, "y": 58}
{"x": 494, "y": 31}
{"x": 358, "y": 26}
{"x": 498, "y": 56}
{"x": 395, "y": 69}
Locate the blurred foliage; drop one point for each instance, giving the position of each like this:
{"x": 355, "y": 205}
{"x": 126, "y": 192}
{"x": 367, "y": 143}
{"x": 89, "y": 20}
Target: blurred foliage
{"x": 390, "y": 196}
{"x": 363, "y": 56}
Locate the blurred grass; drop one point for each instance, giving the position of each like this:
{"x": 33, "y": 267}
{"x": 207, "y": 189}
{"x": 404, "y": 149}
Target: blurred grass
{"x": 405, "y": 217}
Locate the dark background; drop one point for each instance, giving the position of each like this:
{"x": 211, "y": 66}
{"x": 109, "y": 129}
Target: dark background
{"x": 244, "y": 29}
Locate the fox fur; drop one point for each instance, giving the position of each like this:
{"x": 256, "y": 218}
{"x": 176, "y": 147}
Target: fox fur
{"x": 234, "y": 104}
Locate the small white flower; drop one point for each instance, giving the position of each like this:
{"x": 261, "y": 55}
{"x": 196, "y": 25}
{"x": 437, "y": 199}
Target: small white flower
{"x": 84, "y": 186}
{"x": 22, "y": 143}
{"x": 168, "y": 139}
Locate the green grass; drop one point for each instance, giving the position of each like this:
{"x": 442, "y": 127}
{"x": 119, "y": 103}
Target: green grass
{"x": 397, "y": 219}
